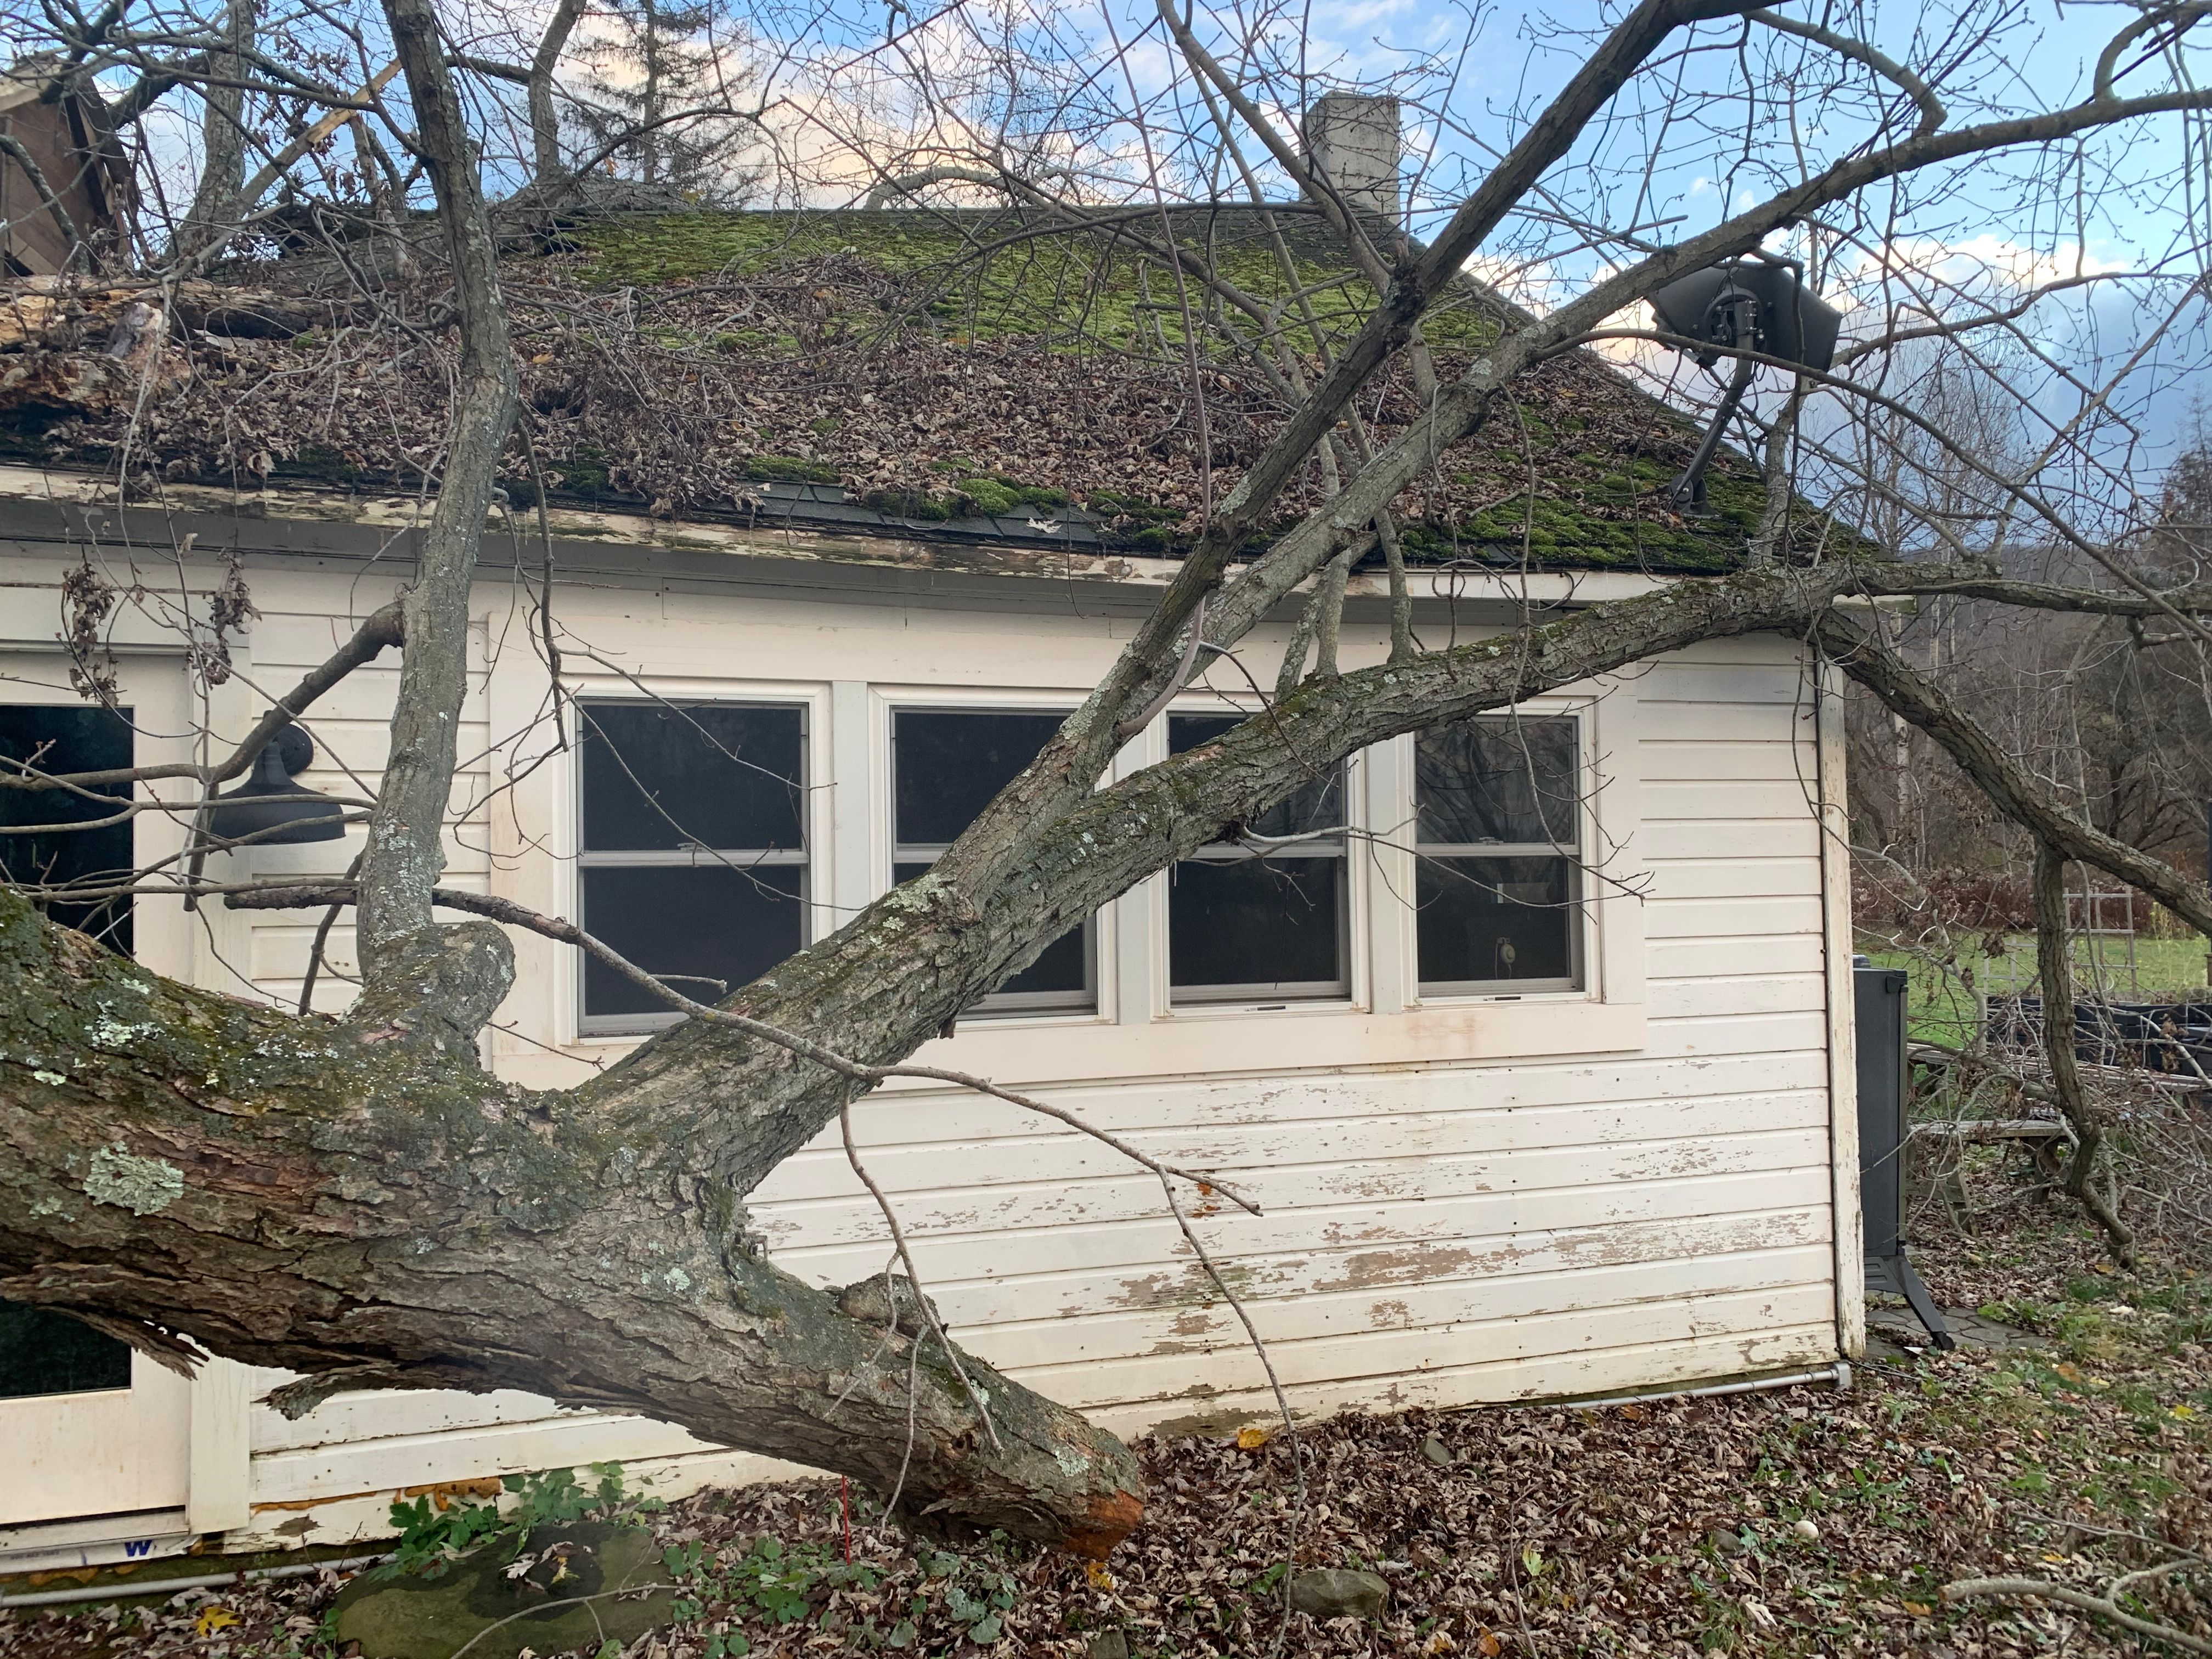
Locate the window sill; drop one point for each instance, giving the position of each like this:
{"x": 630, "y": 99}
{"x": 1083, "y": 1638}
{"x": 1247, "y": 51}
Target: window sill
{"x": 1057, "y": 1020}
{"x": 1301, "y": 1037}
{"x": 1550, "y": 993}
{"x": 1285, "y": 1007}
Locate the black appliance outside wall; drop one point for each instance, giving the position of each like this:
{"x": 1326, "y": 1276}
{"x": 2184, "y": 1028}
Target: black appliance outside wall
{"x": 1879, "y": 1012}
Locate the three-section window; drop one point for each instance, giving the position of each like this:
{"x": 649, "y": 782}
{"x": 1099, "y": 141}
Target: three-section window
{"x": 1497, "y": 892}
{"x": 694, "y": 859}
{"x": 946, "y": 764}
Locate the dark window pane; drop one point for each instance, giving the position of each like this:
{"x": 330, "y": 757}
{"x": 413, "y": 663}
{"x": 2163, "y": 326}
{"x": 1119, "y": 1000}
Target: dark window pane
{"x": 1064, "y": 969}
{"x": 1315, "y": 805}
{"x": 705, "y": 775}
{"x": 68, "y": 739}
{"x": 1486, "y": 921}
{"x": 729, "y": 925}
{"x": 947, "y": 766}
{"x": 1497, "y": 780}
{"x": 1255, "y": 922}
{"x": 42, "y": 1352}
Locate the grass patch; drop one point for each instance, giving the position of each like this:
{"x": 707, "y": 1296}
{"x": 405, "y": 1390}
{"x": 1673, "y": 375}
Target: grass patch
{"x": 1943, "y": 998}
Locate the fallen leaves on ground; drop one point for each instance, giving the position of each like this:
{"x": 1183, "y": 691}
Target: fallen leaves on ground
{"x": 1663, "y": 1527}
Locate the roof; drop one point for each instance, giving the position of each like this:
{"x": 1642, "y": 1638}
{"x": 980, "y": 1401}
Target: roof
{"x": 986, "y": 375}
{"x": 79, "y": 158}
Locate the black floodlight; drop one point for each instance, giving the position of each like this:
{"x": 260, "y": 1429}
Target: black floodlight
{"x": 1746, "y": 305}
{"x": 1751, "y": 304}
{"x": 270, "y": 807}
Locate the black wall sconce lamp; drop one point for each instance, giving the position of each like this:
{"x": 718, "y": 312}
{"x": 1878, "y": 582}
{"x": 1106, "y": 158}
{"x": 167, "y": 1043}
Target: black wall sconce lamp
{"x": 270, "y": 807}
{"x": 1760, "y": 304}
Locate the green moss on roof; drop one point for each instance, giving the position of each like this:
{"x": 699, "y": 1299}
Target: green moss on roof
{"x": 991, "y": 276}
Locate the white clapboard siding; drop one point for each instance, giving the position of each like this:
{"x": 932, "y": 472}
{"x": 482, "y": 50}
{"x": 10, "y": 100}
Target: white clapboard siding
{"x": 369, "y": 1415}
{"x": 1734, "y": 956}
{"x": 1415, "y": 1178}
{"x": 1805, "y": 1350}
{"x": 1405, "y": 1353}
{"x": 1428, "y": 1139}
{"x": 1453, "y": 1304}
{"x": 1468, "y": 1222}
{"x": 390, "y": 1463}
{"x": 350, "y": 724}
{"x": 1759, "y": 994}
{"x": 1556, "y": 1268}
{"x": 1435, "y": 1230}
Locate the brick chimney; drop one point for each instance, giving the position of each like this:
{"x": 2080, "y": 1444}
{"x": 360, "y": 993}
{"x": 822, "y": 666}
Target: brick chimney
{"x": 1353, "y": 136}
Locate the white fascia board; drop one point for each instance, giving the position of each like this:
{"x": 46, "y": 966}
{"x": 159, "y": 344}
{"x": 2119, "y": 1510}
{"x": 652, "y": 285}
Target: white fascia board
{"x": 394, "y": 512}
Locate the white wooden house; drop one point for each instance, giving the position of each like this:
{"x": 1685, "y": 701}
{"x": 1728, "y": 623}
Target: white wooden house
{"x": 1598, "y": 1140}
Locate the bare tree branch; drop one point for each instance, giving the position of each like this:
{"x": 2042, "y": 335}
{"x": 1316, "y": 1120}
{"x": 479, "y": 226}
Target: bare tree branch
{"x": 1932, "y": 112}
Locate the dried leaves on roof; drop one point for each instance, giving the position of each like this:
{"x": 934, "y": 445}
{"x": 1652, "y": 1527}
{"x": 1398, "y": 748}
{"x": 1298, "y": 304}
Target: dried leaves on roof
{"x": 935, "y": 366}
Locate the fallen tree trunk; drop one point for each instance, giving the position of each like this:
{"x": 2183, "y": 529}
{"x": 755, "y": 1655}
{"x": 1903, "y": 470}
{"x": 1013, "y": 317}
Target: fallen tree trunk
{"x": 301, "y": 1193}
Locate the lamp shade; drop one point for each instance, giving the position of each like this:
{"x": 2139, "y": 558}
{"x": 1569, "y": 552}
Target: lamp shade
{"x": 270, "y": 807}
{"x": 1783, "y": 319}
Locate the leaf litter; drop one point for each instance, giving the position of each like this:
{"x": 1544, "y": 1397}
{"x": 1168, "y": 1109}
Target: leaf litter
{"x": 1806, "y": 1521}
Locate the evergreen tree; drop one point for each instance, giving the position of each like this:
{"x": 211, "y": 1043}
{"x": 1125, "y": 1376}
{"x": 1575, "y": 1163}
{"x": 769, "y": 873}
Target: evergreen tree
{"x": 658, "y": 104}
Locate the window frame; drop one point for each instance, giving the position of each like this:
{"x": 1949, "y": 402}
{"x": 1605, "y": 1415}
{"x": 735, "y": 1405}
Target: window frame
{"x": 592, "y": 1027}
{"x": 999, "y": 1007}
{"x": 1580, "y": 981}
{"x": 1350, "y": 988}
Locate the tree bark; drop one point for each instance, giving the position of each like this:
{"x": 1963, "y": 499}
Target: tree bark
{"x": 215, "y": 204}
{"x": 544, "y": 118}
{"x": 2055, "y": 969}
{"x": 406, "y": 961}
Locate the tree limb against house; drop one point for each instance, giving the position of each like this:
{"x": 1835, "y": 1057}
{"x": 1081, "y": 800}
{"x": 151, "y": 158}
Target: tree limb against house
{"x": 620, "y": 903}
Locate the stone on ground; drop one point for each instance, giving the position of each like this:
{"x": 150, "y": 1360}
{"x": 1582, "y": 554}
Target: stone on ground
{"x": 1333, "y": 1592}
{"x": 577, "y": 1599}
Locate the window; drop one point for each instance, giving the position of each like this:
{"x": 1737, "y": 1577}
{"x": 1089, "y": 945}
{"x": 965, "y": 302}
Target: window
{"x": 1499, "y": 887}
{"x": 946, "y": 765}
{"x": 694, "y": 860}
{"x": 1262, "y": 917}
{"x": 68, "y": 739}
{"x": 42, "y": 1352}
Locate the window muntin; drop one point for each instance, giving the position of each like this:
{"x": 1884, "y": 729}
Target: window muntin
{"x": 1499, "y": 886}
{"x": 946, "y": 766}
{"x": 693, "y": 861}
{"x": 1263, "y": 918}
